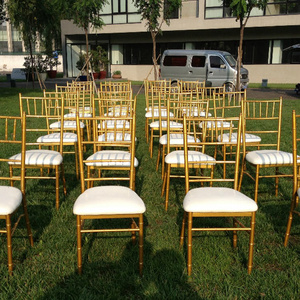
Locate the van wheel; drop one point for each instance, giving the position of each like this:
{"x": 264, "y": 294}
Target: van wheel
{"x": 174, "y": 86}
{"x": 229, "y": 87}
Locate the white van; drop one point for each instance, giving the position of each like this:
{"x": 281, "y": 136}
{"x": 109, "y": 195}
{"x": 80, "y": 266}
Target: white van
{"x": 216, "y": 68}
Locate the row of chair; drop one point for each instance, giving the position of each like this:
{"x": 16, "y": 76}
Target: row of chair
{"x": 191, "y": 123}
{"x": 109, "y": 145}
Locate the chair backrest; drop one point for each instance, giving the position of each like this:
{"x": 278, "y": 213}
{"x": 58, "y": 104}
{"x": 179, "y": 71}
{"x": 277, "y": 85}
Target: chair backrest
{"x": 228, "y": 104}
{"x": 177, "y": 107}
{"x": 191, "y": 86}
{"x": 296, "y": 147}
{"x": 263, "y": 118}
{"x": 112, "y": 86}
{"x": 41, "y": 112}
{"x": 108, "y": 132}
{"x": 114, "y": 106}
{"x": 212, "y": 137}
{"x": 12, "y": 141}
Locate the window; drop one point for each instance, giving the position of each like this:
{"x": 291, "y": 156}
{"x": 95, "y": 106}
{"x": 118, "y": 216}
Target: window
{"x": 119, "y": 12}
{"x": 216, "y": 62}
{"x": 221, "y": 9}
{"x": 175, "y": 61}
{"x": 198, "y": 61}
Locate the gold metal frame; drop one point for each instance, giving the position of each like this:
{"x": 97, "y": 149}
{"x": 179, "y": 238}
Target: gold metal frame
{"x": 296, "y": 177}
{"x": 237, "y": 225}
{"x": 10, "y": 137}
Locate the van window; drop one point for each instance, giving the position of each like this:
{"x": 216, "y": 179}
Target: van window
{"x": 175, "y": 61}
{"x": 198, "y": 61}
{"x": 216, "y": 62}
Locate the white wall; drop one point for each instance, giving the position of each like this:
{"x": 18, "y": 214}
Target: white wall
{"x": 8, "y": 62}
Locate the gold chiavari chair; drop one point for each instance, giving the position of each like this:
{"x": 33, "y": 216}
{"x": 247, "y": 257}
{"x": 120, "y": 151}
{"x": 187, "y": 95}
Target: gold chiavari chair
{"x": 296, "y": 176}
{"x": 109, "y": 201}
{"x": 37, "y": 158}
{"x": 263, "y": 118}
{"x": 55, "y": 135}
{"x": 154, "y": 89}
{"x": 112, "y": 148}
{"x": 216, "y": 201}
{"x": 230, "y": 104}
{"x": 12, "y": 139}
{"x": 173, "y": 140}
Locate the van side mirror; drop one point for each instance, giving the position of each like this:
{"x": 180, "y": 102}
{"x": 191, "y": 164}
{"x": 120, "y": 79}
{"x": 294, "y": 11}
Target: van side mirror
{"x": 222, "y": 66}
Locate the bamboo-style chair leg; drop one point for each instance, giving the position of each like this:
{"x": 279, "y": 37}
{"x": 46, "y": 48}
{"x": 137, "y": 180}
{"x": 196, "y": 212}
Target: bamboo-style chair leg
{"x": 79, "y": 245}
{"x": 234, "y": 238}
{"x": 251, "y": 244}
{"x": 256, "y": 184}
{"x": 9, "y": 244}
{"x": 189, "y": 246}
{"x": 57, "y": 173}
{"x": 182, "y": 229}
{"x": 167, "y": 184}
{"x": 141, "y": 243}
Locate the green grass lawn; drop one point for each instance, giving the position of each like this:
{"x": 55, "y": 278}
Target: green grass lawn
{"x": 110, "y": 261}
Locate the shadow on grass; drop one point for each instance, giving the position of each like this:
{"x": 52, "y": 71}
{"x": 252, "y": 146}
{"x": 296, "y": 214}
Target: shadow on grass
{"x": 163, "y": 277}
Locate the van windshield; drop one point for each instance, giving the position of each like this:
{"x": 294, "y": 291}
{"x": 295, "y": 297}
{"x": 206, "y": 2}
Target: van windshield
{"x": 232, "y": 62}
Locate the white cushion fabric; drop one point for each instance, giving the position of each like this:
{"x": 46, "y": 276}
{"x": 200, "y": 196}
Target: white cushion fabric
{"x": 269, "y": 157}
{"x": 38, "y": 157}
{"x": 67, "y": 124}
{"x": 10, "y": 199}
{"x": 115, "y": 124}
{"x": 250, "y": 138}
{"x": 155, "y": 113}
{"x": 177, "y": 157}
{"x": 298, "y": 192}
{"x": 118, "y": 136}
{"x": 217, "y": 199}
{"x": 220, "y": 124}
{"x": 68, "y": 137}
{"x": 73, "y": 115}
{"x": 164, "y": 124}
{"x": 114, "y": 156}
{"x": 107, "y": 200}
{"x": 194, "y": 112}
{"x": 176, "y": 139}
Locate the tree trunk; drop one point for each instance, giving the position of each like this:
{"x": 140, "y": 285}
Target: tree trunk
{"x": 153, "y": 36}
{"x": 240, "y": 56}
{"x": 87, "y": 53}
{"x": 32, "y": 62}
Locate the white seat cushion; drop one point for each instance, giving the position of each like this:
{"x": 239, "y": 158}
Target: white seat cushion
{"x": 194, "y": 112}
{"x": 108, "y": 200}
{"x": 220, "y": 124}
{"x": 114, "y": 156}
{"x": 73, "y": 115}
{"x": 114, "y": 124}
{"x": 177, "y": 157}
{"x": 68, "y": 137}
{"x": 250, "y": 138}
{"x": 118, "y": 136}
{"x": 67, "y": 124}
{"x": 269, "y": 157}
{"x": 164, "y": 124}
{"x": 155, "y": 113}
{"x": 38, "y": 157}
{"x": 176, "y": 139}
{"x": 10, "y": 199}
{"x": 217, "y": 199}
